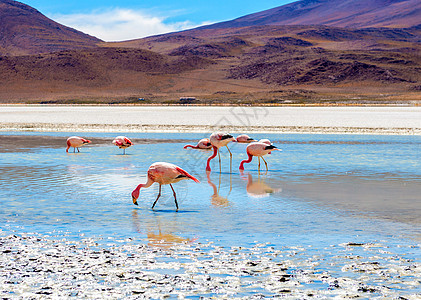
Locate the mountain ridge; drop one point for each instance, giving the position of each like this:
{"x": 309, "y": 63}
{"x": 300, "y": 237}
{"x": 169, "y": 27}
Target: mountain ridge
{"x": 338, "y": 13}
{"x": 42, "y": 61}
{"x": 25, "y": 30}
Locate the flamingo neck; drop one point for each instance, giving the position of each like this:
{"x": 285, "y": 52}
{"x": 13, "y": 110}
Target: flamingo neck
{"x": 145, "y": 185}
{"x": 215, "y": 151}
{"x": 191, "y": 146}
{"x": 246, "y": 161}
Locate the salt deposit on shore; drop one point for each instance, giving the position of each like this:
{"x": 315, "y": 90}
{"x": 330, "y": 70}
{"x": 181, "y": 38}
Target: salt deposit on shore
{"x": 38, "y": 267}
{"x": 362, "y": 120}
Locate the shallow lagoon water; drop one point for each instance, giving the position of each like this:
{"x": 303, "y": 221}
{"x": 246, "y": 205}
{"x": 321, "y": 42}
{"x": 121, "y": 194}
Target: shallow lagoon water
{"x": 320, "y": 192}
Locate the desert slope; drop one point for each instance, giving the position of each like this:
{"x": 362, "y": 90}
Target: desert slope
{"x": 24, "y": 30}
{"x": 338, "y": 13}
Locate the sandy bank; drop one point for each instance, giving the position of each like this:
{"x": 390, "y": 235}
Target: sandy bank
{"x": 361, "y": 120}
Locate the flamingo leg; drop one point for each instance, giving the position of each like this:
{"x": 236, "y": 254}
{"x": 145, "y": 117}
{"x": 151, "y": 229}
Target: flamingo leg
{"x": 78, "y": 150}
{"x": 159, "y": 195}
{"x": 219, "y": 156}
{"x": 175, "y": 196}
{"x": 265, "y": 164}
{"x": 230, "y": 159}
{"x": 230, "y": 185}
{"x": 74, "y": 149}
{"x": 124, "y": 151}
{"x": 259, "y": 163}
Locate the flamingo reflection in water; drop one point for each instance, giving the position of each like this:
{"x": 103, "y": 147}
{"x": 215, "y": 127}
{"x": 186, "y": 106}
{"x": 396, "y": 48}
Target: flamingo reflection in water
{"x": 163, "y": 238}
{"x": 216, "y": 198}
{"x": 259, "y": 188}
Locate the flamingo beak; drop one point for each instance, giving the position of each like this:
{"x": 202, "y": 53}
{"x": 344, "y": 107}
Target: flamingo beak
{"x": 134, "y": 200}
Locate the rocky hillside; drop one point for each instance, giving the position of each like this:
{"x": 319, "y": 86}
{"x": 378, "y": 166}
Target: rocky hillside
{"x": 50, "y": 63}
{"x": 24, "y": 30}
{"x": 338, "y": 13}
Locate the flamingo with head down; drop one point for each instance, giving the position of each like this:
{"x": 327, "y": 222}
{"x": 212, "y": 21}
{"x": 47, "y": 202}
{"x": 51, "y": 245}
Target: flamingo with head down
{"x": 244, "y": 138}
{"x": 162, "y": 173}
{"x": 76, "y": 142}
{"x": 257, "y": 149}
{"x": 202, "y": 144}
{"x": 218, "y": 140}
{"x": 266, "y": 141}
{"x": 122, "y": 142}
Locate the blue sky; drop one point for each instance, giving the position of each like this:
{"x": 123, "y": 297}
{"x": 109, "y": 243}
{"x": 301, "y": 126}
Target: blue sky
{"x": 131, "y": 19}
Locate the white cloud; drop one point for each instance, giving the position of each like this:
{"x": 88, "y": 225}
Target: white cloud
{"x": 120, "y": 24}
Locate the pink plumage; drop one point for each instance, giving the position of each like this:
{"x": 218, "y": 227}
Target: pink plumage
{"x": 218, "y": 140}
{"x": 244, "y": 138}
{"x": 202, "y": 144}
{"x": 162, "y": 173}
{"x": 76, "y": 142}
{"x": 257, "y": 149}
{"x": 122, "y": 142}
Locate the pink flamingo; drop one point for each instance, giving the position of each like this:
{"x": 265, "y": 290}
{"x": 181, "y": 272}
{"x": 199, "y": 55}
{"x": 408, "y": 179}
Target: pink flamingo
{"x": 202, "y": 144}
{"x": 258, "y": 149}
{"x": 122, "y": 142}
{"x": 218, "y": 140}
{"x": 163, "y": 173}
{"x": 244, "y": 138}
{"x": 76, "y": 142}
{"x": 266, "y": 141}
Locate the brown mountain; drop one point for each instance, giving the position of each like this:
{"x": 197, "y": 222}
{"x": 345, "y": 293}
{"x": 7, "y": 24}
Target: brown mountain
{"x": 251, "y": 64}
{"x": 338, "y": 13}
{"x": 24, "y": 30}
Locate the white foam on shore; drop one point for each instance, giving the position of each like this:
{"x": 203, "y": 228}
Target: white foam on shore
{"x": 356, "y": 120}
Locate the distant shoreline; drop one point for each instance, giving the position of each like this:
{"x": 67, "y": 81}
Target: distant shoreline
{"x": 396, "y": 119}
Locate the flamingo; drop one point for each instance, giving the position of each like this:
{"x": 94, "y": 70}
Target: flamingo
{"x": 266, "y": 141}
{"x": 244, "y": 138}
{"x": 257, "y": 149}
{"x": 122, "y": 142}
{"x": 76, "y": 142}
{"x": 163, "y": 173}
{"x": 218, "y": 140}
{"x": 202, "y": 144}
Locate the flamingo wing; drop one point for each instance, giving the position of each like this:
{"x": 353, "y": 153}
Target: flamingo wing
{"x": 185, "y": 174}
{"x": 127, "y": 141}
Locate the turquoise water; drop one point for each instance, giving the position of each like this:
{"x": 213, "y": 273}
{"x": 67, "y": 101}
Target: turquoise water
{"x": 321, "y": 194}
{"x": 319, "y": 189}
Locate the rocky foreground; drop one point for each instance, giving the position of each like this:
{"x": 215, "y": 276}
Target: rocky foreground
{"x": 35, "y": 267}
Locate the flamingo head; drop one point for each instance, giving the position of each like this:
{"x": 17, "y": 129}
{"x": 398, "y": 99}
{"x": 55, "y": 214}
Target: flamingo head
{"x": 85, "y": 141}
{"x": 135, "y": 195}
